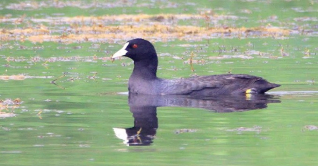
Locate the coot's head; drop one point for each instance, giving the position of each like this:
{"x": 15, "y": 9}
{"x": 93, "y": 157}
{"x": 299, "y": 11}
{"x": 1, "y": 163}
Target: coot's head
{"x": 137, "y": 49}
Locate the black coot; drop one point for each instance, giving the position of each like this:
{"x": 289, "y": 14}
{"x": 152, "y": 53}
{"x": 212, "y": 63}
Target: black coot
{"x": 144, "y": 80}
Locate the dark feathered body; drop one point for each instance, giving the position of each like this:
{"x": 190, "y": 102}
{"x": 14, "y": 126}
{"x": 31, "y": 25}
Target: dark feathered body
{"x": 202, "y": 85}
{"x": 144, "y": 80}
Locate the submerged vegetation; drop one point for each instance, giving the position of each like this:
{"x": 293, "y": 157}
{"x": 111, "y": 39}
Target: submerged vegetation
{"x": 197, "y": 25}
{"x": 161, "y": 27}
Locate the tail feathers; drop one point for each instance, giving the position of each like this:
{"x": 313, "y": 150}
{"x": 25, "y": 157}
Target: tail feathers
{"x": 261, "y": 86}
{"x": 270, "y": 86}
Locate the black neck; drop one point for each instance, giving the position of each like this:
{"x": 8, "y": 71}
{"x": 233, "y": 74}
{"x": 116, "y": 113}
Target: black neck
{"x": 146, "y": 68}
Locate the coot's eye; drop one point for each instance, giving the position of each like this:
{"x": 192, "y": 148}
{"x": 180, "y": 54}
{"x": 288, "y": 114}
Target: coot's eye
{"x": 134, "y": 46}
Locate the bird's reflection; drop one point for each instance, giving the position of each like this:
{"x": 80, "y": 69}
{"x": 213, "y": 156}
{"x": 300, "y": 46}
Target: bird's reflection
{"x": 144, "y": 109}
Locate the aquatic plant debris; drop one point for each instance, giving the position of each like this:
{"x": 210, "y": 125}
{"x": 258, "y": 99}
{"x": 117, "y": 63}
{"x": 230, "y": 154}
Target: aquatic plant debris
{"x": 110, "y": 28}
{"x": 256, "y": 129}
{"x": 179, "y": 131}
{"x": 310, "y": 127}
{"x": 9, "y": 105}
{"x": 21, "y": 77}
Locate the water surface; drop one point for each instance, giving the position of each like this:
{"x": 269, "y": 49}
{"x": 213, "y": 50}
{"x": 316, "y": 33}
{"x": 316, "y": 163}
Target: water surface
{"x": 61, "y": 94}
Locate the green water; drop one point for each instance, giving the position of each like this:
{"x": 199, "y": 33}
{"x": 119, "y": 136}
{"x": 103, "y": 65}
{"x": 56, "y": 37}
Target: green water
{"x": 70, "y": 101}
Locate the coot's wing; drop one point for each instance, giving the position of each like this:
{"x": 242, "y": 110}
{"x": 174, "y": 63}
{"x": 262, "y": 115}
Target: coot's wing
{"x": 214, "y": 84}
{"x": 184, "y": 86}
